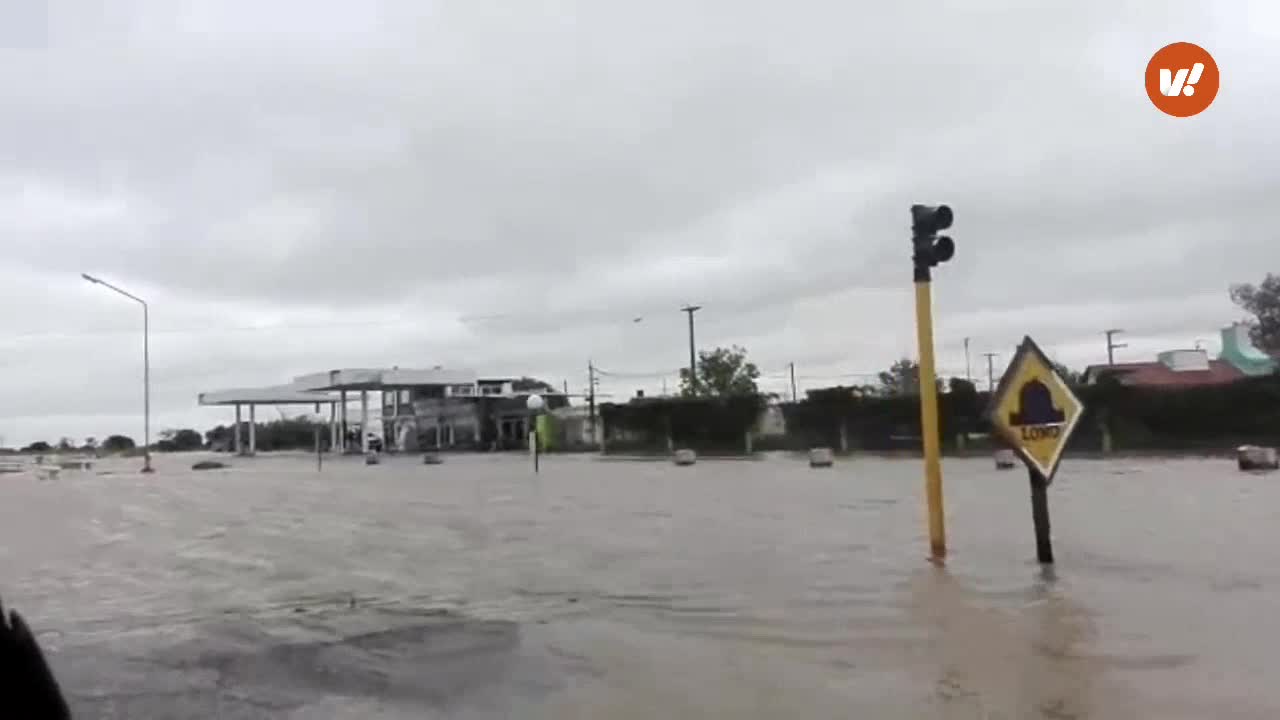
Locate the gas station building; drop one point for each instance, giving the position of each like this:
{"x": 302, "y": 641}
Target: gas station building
{"x": 435, "y": 407}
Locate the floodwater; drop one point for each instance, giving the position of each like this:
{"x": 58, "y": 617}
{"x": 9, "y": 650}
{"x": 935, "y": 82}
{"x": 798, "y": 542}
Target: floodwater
{"x": 744, "y": 589}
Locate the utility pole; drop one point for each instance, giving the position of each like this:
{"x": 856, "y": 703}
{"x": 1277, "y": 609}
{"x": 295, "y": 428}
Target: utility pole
{"x": 968, "y": 371}
{"x": 793, "y": 382}
{"x": 1112, "y": 346}
{"x": 693, "y": 363}
{"x": 991, "y": 371}
{"x": 591, "y": 398}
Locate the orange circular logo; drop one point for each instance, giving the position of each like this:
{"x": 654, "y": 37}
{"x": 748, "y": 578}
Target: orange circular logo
{"x": 1182, "y": 79}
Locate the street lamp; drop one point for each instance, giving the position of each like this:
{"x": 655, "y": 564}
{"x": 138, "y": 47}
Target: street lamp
{"x": 535, "y": 404}
{"x": 146, "y": 368}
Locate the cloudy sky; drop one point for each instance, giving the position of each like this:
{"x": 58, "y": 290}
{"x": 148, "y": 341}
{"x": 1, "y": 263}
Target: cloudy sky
{"x": 302, "y": 185}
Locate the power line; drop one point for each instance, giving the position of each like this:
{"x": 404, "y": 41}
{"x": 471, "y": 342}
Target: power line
{"x": 636, "y": 375}
{"x": 837, "y": 378}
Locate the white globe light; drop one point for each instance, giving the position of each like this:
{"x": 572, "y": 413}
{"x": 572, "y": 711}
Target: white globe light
{"x": 534, "y": 403}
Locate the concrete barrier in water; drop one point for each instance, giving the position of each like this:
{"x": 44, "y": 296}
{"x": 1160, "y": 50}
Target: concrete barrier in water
{"x": 1006, "y": 460}
{"x": 685, "y": 456}
{"x": 431, "y": 459}
{"x": 1253, "y": 457}
{"x": 372, "y": 459}
{"x": 821, "y": 457}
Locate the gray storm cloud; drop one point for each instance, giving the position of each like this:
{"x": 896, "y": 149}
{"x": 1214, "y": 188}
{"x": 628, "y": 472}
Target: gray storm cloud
{"x": 297, "y": 186}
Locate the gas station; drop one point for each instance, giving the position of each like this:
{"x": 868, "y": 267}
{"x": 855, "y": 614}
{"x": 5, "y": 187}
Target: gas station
{"x": 274, "y": 395}
{"x": 332, "y": 387}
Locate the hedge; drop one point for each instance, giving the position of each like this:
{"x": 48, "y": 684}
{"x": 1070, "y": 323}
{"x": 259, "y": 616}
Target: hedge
{"x": 715, "y": 423}
{"x": 1247, "y": 411}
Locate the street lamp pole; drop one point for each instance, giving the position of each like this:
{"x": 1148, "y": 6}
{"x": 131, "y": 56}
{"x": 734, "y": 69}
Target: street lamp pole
{"x": 146, "y": 367}
{"x": 535, "y": 404}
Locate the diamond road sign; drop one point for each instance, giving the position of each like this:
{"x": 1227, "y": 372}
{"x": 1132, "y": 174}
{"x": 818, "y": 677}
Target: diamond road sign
{"x": 1034, "y": 410}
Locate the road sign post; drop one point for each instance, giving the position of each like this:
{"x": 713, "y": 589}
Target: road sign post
{"x": 1034, "y": 411}
{"x": 1040, "y": 517}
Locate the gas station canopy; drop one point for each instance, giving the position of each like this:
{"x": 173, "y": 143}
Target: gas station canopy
{"x": 274, "y": 395}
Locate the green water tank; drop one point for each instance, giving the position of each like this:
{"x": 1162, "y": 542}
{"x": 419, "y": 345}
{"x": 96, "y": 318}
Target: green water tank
{"x": 1239, "y": 351}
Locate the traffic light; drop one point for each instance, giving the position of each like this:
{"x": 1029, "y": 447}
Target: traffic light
{"x": 929, "y": 248}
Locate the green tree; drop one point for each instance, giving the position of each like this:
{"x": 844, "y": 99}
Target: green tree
{"x": 188, "y": 439}
{"x": 962, "y": 405}
{"x": 180, "y": 440}
{"x": 528, "y": 384}
{"x": 90, "y": 444}
{"x": 903, "y": 378}
{"x": 1263, "y": 302}
{"x": 553, "y": 398}
{"x": 296, "y": 433}
{"x": 66, "y": 445}
{"x": 38, "y": 446}
{"x": 118, "y": 443}
{"x": 1072, "y": 377}
{"x": 722, "y": 372}
{"x": 218, "y": 438}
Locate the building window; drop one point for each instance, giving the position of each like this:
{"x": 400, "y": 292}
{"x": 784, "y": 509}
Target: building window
{"x": 428, "y": 392}
{"x": 463, "y": 390}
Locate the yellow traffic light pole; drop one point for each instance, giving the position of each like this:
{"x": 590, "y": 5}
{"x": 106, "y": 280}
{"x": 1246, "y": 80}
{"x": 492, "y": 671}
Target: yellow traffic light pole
{"x": 929, "y": 421}
{"x": 930, "y": 249}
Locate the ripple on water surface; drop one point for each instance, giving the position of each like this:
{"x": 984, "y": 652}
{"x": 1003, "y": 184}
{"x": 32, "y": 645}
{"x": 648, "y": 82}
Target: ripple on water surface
{"x": 476, "y": 589}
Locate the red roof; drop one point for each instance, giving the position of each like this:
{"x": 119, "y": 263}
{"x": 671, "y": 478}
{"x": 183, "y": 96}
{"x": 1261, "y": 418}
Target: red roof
{"x": 1157, "y": 374}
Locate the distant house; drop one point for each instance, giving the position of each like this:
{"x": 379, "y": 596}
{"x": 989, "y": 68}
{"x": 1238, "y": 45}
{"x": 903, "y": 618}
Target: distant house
{"x": 1174, "y": 368}
{"x": 574, "y": 427}
{"x": 486, "y": 414}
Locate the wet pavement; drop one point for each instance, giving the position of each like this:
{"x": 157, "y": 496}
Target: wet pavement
{"x": 749, "y": 589}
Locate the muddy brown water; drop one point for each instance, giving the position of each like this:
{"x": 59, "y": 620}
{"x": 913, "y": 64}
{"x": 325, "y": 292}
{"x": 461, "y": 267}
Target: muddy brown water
{"x": 764, "y": 589}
